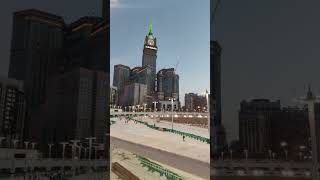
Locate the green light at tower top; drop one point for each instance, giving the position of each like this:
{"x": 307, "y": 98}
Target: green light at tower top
{"x": 150, "y": 28}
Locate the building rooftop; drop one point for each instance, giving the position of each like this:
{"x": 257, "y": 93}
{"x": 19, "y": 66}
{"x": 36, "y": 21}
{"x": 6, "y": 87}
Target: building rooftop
{"x": 39, "y": 13}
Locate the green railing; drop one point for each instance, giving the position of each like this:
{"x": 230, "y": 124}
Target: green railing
{"x": 154, "y": 167}
{"x": 193, "y": 136}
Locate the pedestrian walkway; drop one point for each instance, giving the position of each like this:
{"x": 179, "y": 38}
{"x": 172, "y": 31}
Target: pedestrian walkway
{"x": 189, "y": 135}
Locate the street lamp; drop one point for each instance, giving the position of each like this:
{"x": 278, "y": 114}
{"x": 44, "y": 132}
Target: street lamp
{"x": 26, "y": 144}
{"x": 50, "y": 146}
{"x": 246, "y": 153}
{"x": 284, "y": 145}
{"x": 85, "y": 152}
{"x": 90, "y": 139}
{"x": 302, "y": 148}
{"x": 74, "y": 145}
{"x": 270, "y": 153}
{"x": 144, "y": 107}
{"x": 63, "y": 148}
{"x": 155, "y": 106}
{"x": 172, "y": 99}
{"x": 95, "y": 151}
{"x": 310, "y": 99}
{"x": 33, "y": 145}
{"x": 208, "y": 107}
{"x": 15, "y": 141}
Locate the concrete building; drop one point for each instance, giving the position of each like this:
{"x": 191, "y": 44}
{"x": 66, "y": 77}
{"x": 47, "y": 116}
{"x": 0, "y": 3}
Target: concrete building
{"x": 143, "y": 75}
{"x": 121, "y": 77}
{"x": 195, "y": 102}
{"x": 36, "y": 51}
{"x": 76, "y": 107}
{"x": 291, "y": 126}
{"x": 217, "y": 129}
{"x": 215, "y": 77}
{"x": 12, "y": 109}
{"x": 135, "y": 94}
{"x": 255, "y": 119}
{"x": 46, "y": 52}
{"x": 168, "y": 84}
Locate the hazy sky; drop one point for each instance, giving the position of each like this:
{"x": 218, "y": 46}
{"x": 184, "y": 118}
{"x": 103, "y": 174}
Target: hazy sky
{"x": 271, "y": 49}
{"x": 182, "y": 31}
{"x": 70, "y": 10}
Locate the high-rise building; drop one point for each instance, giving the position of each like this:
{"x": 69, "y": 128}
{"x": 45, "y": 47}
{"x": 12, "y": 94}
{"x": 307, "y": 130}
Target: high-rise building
{"x": 36, "y": 51}
{"x": 76, "y": 107}
{"x": 135, "y": 94}
{"x": 217, "y": 134}
{"x": 255, "y": 118}
{"x": 168, "y": 84}
{"x": 121, "y": 77}
{"x": 149, "y": 56}
{"x": 215, "y": 76}
{"x": 46, "y": 52}
{"x": 36, "y": 54}
{"x": 12, "y": 109}
{"x": 143, "y": 75}
{"x": 105, "y": 9}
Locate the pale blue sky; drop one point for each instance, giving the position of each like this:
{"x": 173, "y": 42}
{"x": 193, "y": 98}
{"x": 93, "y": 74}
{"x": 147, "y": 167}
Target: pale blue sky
{"x": 182, "y": 29}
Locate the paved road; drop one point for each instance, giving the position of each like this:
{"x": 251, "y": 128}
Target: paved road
{"x": 183, "y": 163}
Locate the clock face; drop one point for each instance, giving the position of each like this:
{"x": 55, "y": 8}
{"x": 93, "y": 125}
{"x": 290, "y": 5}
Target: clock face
{"x": 150, "y": 42}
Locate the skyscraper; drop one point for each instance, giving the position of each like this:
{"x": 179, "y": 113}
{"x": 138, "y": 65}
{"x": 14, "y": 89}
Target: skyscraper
{"x": 36, "y": 49}
{"x": 149, "y": 56}
{"x": 168, "y": 84}
{"x": 121, "y": 76}
{"x": 36, "y": 54}
{"x": 215, "y": 77}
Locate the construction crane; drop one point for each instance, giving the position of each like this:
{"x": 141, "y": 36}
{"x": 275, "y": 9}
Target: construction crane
{"x": 175, "y": 69}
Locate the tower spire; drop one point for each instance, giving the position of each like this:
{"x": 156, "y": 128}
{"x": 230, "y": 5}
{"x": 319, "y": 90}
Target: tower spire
{"x": 309, "y": 94}
{"x": 150, "y": 28}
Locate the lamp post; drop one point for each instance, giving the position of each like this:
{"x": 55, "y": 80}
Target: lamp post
{"x": 270, "y": 154}
{"x": 155, "y": 106}
{"x": 63, "y": 148}
{"x": 33, "y": 145}
{"x": 50, "y": 146}
{"x": 284, "y": 145}
{"x": 302, "y": 148}
{"x": 90, "y": 139}
{"x": 26, "y": 143}
{"x": 144, "y": 107}
{"x": 246, "y": 153}
{"x": 15, "y": 141}
{"x": 80, "y": 148}
{"x": 85, "y": 152}
{"x": 95, "y": 151}
{"x": 74, "y": 145}
{"x": 310, "y": 99}
{"x": 231, "y": 154}
{"x": 208, "y": 107}
{"x": 172, "y": 99}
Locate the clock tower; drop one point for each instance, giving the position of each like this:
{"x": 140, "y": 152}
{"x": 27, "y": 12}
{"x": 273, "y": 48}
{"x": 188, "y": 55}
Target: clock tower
{"x": 149, "y": 56}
